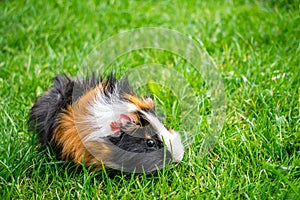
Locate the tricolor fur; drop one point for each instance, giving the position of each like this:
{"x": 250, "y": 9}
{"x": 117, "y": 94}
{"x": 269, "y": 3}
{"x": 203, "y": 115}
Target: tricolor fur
{"x": 98, "y": 121}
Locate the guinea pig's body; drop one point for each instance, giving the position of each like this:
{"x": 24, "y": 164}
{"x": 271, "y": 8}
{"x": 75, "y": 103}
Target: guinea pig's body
{"x": 103, "y": 123}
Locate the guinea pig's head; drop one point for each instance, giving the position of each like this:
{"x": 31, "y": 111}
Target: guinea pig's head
{"x": 142, "y": 143}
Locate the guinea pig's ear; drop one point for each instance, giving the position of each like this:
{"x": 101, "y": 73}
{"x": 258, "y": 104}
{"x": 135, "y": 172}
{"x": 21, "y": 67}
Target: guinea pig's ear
{"x": 122, "y": 121}
{"x": 124, "y": 118}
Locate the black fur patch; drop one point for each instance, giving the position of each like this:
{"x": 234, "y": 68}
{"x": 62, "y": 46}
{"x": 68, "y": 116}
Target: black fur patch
{"x": 45, "y": 111}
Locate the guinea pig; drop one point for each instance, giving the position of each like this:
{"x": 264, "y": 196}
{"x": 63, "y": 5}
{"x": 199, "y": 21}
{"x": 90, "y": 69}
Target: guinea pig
{"x": 102, "y": 123}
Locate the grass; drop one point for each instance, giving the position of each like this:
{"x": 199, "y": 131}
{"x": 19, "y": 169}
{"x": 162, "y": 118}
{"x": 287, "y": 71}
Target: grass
{"x": 255, "y": 45}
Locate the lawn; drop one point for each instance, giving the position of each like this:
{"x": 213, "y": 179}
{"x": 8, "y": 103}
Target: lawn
{"x": 256, "y": 48}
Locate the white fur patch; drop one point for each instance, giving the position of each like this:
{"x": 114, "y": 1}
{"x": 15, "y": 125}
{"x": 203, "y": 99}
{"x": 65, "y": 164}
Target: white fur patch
{"x": 103, "y": 110}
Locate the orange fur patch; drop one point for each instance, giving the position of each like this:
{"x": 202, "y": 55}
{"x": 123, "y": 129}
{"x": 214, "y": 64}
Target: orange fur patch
{"x": 72, "y": 128}
{"x": 145, "y": 103}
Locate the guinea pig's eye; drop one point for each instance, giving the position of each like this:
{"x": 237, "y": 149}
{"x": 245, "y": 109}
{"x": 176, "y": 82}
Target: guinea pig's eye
{"x": 150, "y": 142}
